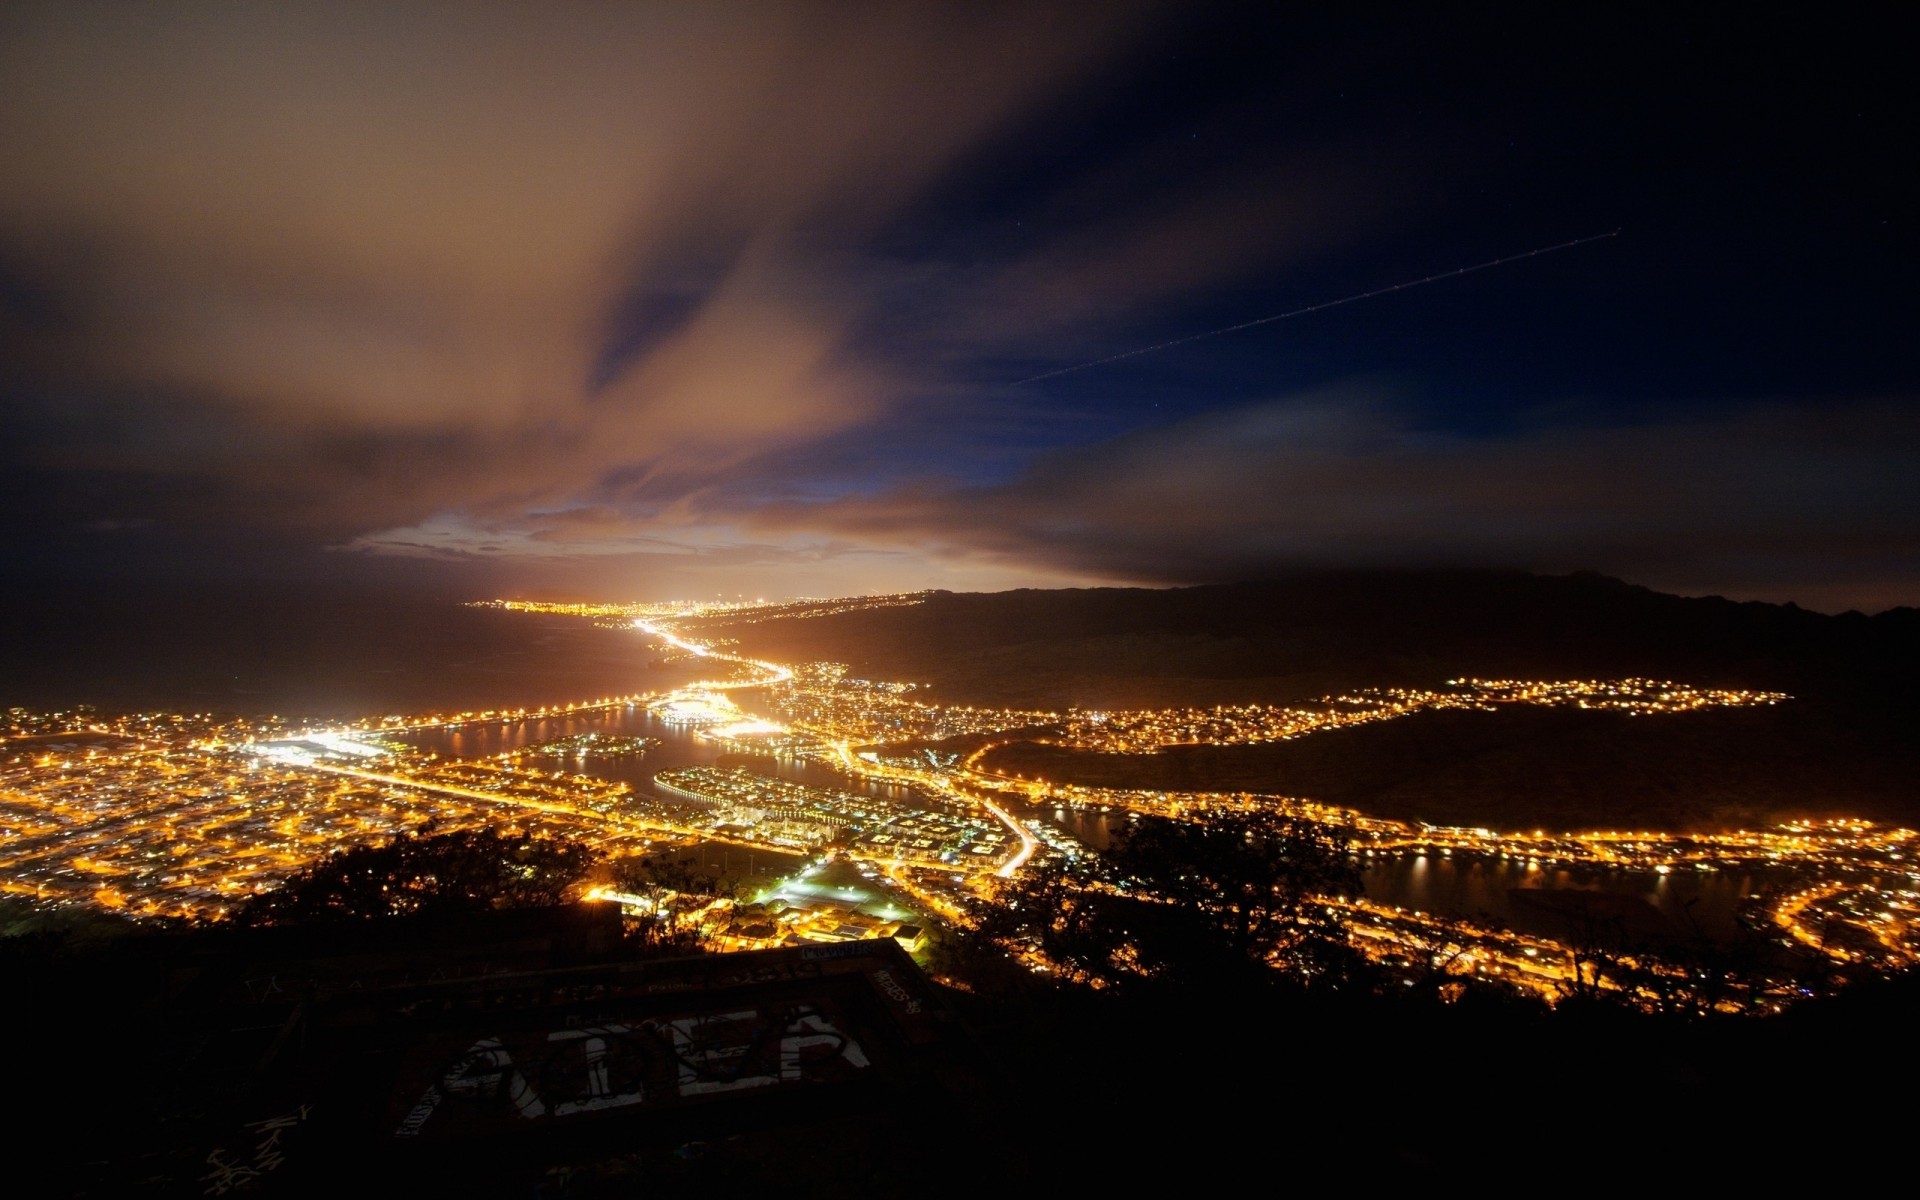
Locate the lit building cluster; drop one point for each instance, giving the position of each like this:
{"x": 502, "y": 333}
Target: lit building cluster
{"x": 780, "y": 812}
{"x": 584, "y": 746}
{"x": 1855, "y": 922}
{"x": 748, "y": 614}
{"x": 1147, "y": 731}
{"x": 400, "y": 723}
{"x": 27, "y": 734}
{"x": 1832, "y": 848}
{"x": 763, "y": 925}
{"x": 795, "y": 911}
{"x": 188, "y": 827}
{"x": 1862, "y": 907}
{"x": 178, "y": 814}
{"x": 1424, "y": 947}
{"x": 822, "y": 699}
{"x": 1632, "y": 695}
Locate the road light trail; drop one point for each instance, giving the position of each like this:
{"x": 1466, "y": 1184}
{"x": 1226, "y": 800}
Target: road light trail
{"x": 1028, "y": 843}
{"x": 1313, "y": 308}
{"x": 780, "y": 674}
{"x": 504, "y": 799}
{"x": 776, "y": 672}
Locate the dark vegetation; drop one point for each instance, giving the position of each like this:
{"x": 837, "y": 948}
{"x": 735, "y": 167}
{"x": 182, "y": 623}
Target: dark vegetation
{"x": 473, "y": 872}
{"x": 677, "y": 888}
{"x": 1129, "y": 1089}
{"x": 1230, "y": 900}
{"x": 434, "y": 875}
{"x": 1208, "y": 1020}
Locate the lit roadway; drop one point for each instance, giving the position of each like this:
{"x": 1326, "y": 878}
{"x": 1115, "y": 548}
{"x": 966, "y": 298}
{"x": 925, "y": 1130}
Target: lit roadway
{"x": 777, "y": 673}
{"x": 1028, "y": 843}
{"x": 538, "y": 805}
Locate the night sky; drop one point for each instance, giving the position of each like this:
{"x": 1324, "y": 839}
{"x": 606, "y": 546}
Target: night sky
{"x": 636, "y": 301}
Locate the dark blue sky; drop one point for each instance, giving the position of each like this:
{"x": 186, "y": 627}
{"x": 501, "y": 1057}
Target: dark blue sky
{"x": 648, "y": 301}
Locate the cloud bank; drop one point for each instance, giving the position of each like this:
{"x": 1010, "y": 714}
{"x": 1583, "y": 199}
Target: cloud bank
{"x": 666, "y": 297}
{"x": 1756, "y": 498}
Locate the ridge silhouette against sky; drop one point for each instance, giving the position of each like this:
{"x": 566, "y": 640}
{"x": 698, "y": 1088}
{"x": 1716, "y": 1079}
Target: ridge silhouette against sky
{"x": 648, "y": 300}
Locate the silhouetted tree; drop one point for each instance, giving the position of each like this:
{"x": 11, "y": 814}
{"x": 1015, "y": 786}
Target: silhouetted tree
{"x": 676, "y": 894}
{"x": 1063, "y": 916}
{"x": 1745, "y": 970}
{"x": 465, "y": 872}
{"x": 1228, "y": 899}
{"x": 1257, "y": 882}
{"x": 1434, "y": 962}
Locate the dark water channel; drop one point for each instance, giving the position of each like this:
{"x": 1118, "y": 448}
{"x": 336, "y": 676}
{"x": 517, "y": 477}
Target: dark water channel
{"x": 1477, "y": 886}
{"x": 678, "y": 747}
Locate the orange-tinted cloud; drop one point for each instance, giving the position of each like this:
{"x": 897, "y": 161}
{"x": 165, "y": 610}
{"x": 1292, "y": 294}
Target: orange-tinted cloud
{"x": 349, "y": 268}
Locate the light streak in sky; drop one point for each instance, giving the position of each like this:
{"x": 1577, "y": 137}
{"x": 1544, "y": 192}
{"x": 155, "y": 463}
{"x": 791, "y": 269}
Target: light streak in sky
{"x": 1313, "y": 308}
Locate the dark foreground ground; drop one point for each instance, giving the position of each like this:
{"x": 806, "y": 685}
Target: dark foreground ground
{"x": 531, "y": 1056}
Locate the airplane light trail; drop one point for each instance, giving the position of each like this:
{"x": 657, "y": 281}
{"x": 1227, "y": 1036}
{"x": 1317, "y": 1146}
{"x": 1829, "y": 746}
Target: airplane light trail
{"x": 1312, "y": 308}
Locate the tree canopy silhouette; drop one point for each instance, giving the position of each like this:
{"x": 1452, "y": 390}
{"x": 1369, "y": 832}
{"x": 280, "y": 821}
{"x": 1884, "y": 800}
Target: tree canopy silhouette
{"x": 1234, "y": 898}
{"x": 449, "y": 873}
{"x": 675, "y": 893}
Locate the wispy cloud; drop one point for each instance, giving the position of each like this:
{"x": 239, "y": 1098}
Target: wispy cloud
{"x": 364, "y": 266}
{"x": 1763, "y": 499}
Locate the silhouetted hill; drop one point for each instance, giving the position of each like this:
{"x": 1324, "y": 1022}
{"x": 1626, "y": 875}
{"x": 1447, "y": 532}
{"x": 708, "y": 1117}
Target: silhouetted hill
{"x": 1563, "y": 769}
{"x": 1303, "y": 637}
{"x": 1843, "y": 744}
{"x": 305, "y": 651}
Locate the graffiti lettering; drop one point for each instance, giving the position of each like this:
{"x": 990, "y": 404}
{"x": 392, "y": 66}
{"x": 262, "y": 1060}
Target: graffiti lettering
{"x": 714, "y": 1053}
{"x": 891, "y": 986}
{"x": 228, "y": 1174}
{"x": 817, "y": 1033}
{"x": 600, "y": 1093}
{"x": 571, "y": 1071}
{"x": 485, "y": 1071}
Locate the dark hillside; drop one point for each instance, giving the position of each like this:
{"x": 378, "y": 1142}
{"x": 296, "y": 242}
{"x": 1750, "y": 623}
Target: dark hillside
{"x": 1843, "y": 744}
{"x": 1526, "y": 768}
{"x": 312, "y": 651}
{"x": 1297, "y": 638}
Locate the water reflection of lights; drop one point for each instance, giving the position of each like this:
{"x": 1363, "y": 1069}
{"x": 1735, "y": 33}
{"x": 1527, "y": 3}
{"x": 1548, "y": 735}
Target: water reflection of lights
{"x": 747, "y": 728}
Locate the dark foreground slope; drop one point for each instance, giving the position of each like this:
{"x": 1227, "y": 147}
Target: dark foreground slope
{"x": 531, "y": 1054}
{"x": 1842, "y": 745}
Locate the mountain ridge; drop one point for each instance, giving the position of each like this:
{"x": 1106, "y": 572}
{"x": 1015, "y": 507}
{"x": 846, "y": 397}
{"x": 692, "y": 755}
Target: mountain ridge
{"x": 1296, "y": 638}
{"x": 1841, "y": 745}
